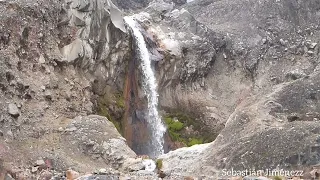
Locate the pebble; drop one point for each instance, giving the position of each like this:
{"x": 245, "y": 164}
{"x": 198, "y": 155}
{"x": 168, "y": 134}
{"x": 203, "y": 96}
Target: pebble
{"x": 71, "y": 128}
{"x": 264, "y": 41}
{"x": 103, "y": 171}
{"x": 41, "y": 59}
{"x": 48, "y": 95}
{"x": 60, "y": 129}
{"x": 9, "y": 133}
{"x": 40, "y": 162}
{"x": 71, "y": 174}
{"x": 313, "y": 45}
{"x": 34, "y": 169}
{"x": 13, "y": 110}
{"x": 282, "y": 42}
{"x": 310, "y": 52}
{"x": 8, "y": 176}
{"x": 46, "y": 175}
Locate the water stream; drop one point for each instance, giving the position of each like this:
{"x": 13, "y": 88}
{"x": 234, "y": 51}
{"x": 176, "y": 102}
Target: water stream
{"x": 153, "y": 118}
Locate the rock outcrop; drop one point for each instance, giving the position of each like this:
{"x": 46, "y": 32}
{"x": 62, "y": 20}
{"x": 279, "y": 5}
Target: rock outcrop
{"x": 260, "y": 84}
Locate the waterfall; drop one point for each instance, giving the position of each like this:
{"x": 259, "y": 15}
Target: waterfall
{"x": 154, "y": 121}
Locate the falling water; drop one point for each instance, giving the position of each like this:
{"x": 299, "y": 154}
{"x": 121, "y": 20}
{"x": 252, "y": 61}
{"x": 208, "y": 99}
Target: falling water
{"x": 150, "y": 88}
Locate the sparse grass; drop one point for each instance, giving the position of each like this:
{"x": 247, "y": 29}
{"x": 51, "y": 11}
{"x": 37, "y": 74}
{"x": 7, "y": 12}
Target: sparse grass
{"x": 176, "y": 123}
{"x": 193, "y": 141}
{"x": 103, "y": 104}
{"x": 120, "y": 102}
{"x": 159, "y": 163}
{"x": 173, "y": 125}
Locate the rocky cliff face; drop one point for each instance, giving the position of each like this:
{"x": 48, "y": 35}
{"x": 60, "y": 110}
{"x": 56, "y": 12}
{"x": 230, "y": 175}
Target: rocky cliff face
{"x": 243, "y": 74}
{"x": 266, "y": 69}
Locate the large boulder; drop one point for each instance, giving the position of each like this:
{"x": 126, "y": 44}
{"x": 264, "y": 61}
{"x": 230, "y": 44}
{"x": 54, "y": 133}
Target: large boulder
{"x": 96, "y": 137}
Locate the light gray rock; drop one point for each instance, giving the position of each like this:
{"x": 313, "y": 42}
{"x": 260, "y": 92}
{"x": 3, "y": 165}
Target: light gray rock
{"x": 313, "y": 45}
{"x": 96, "y": 136}
{"x": 40, "y": 162}
{"x": 34, "y": 169}
{"x": 10, "y": 133}
{"x": 13, "y": 110}
{"x": 175, "y": 162}
{"x": 310, "y": 52}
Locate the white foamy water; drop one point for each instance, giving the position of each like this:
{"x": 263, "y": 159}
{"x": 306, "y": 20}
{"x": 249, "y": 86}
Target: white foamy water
{"x": 150, "y": 88}
{"x": 149, "y": 164}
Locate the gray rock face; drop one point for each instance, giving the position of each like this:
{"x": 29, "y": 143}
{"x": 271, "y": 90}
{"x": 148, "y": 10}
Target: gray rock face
{"x": 97, "y": 137}
{"x": 98, "y": 21}
{"x": 248, "y": 70}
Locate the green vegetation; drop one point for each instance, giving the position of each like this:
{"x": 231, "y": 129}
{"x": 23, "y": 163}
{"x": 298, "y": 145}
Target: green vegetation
{"x": 193, "y": 141}
{"x": 174, "y": 126}
{"x": 277, "y": 178}
{"x": 159, "y": 163}
{"x": 103, "y": 108}
{"x": 120, "y": 102}
{"x": 176, "y": 123}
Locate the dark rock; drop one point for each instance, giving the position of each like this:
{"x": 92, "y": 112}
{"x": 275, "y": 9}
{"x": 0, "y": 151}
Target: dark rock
{"x": 48, "y": 95}
{"x": 161, "y": 174}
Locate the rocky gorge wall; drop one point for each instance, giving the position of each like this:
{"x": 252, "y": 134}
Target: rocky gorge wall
{"x": 243, "y": 74}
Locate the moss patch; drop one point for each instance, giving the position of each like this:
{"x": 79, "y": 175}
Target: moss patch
{"x": 120, "y": 102}
{"x": 104, "y": 104}
{"x": 194, "y": 141}
{"x": 173, "y": 124}
{"x": 159, "y": 163}
{"x": 178, "y": 122}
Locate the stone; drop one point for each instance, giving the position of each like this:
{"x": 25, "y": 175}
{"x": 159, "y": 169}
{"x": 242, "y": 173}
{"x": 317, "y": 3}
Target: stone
{"x": 282, "y": 42}
{"x": 34, "y": 169}
{"x": 161, "y": 174}
{"x": 41, "y": 59}
{"x": 295, "y": 74}
{"x": 314, "y": 173}
{"x": 13, "y": 110}
{"x": 40, "y": 162}
{"x": 60, "y": 129}
{"x": 10, "y": 134}
{"x": 313, "y": 45}
{"x": 71, "y": 174}
{"x": 264, "y": 41}
{"x": 103, "y": 171}
{"x": 45, "y": 175}
{"x": 8, "y": 176}
{"x": 43, "y": 88}
{"x": 71, "y": 128}
{"x": 48, "y": 95}
{"x": 310, "y": 53}
{"x": 132, "y": 164}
